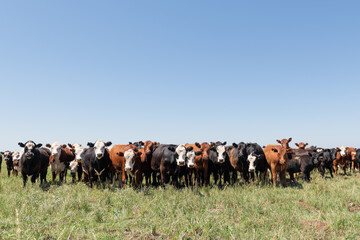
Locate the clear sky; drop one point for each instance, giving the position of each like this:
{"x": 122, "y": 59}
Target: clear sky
{"x": 180, "y": 71}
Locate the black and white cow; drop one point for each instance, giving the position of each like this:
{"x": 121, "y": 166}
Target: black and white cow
{"x": 219, "y": 162}
{"x": 76, "y": 164}
{"x": 34, "y": 162}
{"x": 256, "y": 161}
{"x": 8, "y": 158}
{"x": 16, "y": 162}
{"x": 97, "y": 162}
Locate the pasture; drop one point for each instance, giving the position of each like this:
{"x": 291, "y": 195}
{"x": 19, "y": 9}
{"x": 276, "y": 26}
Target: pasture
{"x": 322, "y": 209}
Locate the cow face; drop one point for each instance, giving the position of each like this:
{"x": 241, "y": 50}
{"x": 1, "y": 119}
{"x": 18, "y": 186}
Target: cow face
{"x": 55, "y": 149}
{"x": 99, "y": 148}
{"x": 281, "y": 154}
{"x": 78, "y": 150}
{"x": 8, "y": 158}
{"x": 180, "y": 155}
{"x": 129, "y": 156}
{"x": 74, "y": 165}
{"x": 342, "y": 150}
{"x": 190, "y": 157}
{"x": 16, "y": 157}
{"x": 29, "y": 148}
{"x": 252, "y": 161}
{"x": 285, "y": 142}
{"x": 221, "y": 151}
{"x": 301, "y": 145}
{"x": 205, "y": 149}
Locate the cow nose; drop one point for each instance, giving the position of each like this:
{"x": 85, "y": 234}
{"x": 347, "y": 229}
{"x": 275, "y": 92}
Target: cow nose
{"x": 251, "y": 170}
{"x": 181, "y": 163}
{"x": 221, "y": 160}
{"x": 99, "y": 155}
{"x": 128, "y": 169}
{"x": 191, "y": 166}
{"x": 73, "y": 172}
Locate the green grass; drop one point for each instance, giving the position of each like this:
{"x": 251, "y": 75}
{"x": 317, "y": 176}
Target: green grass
{"x": 323, "y": 209}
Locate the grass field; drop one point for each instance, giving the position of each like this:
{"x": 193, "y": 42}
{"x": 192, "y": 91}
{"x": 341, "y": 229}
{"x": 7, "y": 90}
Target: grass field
{"x": 323, "y": 209}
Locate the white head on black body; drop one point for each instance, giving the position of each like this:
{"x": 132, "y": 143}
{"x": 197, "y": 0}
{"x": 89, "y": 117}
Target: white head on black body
{"x": 99, "y": 148}
{"x": 221, "y": 152}
{"x": 29, "y": 148}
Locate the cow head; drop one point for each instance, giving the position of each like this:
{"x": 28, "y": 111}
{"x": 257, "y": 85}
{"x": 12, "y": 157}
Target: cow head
{"x": 8, "y": 158}
{"x": 342, "y": 151}
{"x": 301, "y": 145}
{"x": 130, "y": 157}
{"x": 252, "y": 159}
{"x": 205, "y": 150}
{"x": 285, "y": 142}
{"x": 138, "y": 145}
{"x": 99, "y": 148}
{"x": 55, "y": 149}
{"x": 16, "y": 157}
{"x": 74, "y": 165}
{"x": 78, "y": 151}
{"x": 281, "y": 154}
{"x": 351, "y": 152}
{"x": 221, "y": 152}
{"x": 181, "y": 154}
{"x": 29, "y": 148}
{"x": 190, "y": 157}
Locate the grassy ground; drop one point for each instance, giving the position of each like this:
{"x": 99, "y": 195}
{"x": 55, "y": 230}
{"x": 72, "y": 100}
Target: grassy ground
{"x": 323, "y": 209}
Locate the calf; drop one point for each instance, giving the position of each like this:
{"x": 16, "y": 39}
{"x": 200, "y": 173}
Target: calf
{"x": 76, "y": 164}
{"x": 126, "y": 159}
{"x": 301, "y": 145}
{"x": 146, "y": 156}
{"x": 256, "y": 161}
{"x": 237, "y": 158}
{"x": 34, "y": 162}
{"x": 301, "y": 161}
{"x": 16, "y": 163}
{"x": 341, "y": 159}
{"x": 325, "y": 159}
{"x": 277, "y": 159}
{"x": 60, "y": 157}
{"x": 97, "y": 162}
{"x": 8, "y": 158}
{"x": 219, "y": 163}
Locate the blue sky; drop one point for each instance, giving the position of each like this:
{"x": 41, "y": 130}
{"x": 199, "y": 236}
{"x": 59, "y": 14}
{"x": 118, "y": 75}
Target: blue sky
{"x": 180, "y": 71}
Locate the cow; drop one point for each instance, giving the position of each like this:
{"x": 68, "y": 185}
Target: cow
{"x": 126, "y": 160}
{"x": 351, "y": 158}
{"x": 16, "y": 163}
{"x": 301, "y": 161}
{"x": 167, "y": 161}
{"x": 238, "y": 161}
{"x": 97, "y": 162}
{"x": 188, "y": 170}
{"x": 201, "y": 162}
{"x": 285, "y": 143}
{"x": 146, "y": 155}
{"x": 34, "y": 162}
{"x": 256, "y": 161}
{"x": 219, "y": 163}
{"x": 341, "y": 159}
{"x": 357, "y": 157}
{"x": 60, "y": 158}
{"x": 138, "y": 145}
{"x": 277, "y": 159}
{"x": 76, "y": 164}
{"x": 8, "y": 158}
{"x": 325, "y": 159}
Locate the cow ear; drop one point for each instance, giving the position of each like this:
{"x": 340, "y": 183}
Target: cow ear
{"x": 38, "y": 145}
{"x": 70, "y": 146}
{"x": 120, "y": 154}
{"x": 189, "y": 149}
{"x": 108, "y": 144}
{"x": 90, "y": 144}
{"x": 48, "y": 145}
{"x": 141, "y": 143}
{"x": 130, "y": 142}
{"x": 306, "y": 144}
{"x": 21, "y": 144}
{"x": 224, "y": 143}
{"x": 198, "y": 153}
{"x": 297, "y": 144}
{"x": 198, "y": 145}
{"x": 289, "y": 140}
{"x": 2, "y": 153}
{"x": 63, "y": 146}
{"x": 235, "y": 145}
{"x": 278, "y": 141}
{"x": 171, "y": 149}
{"x": 274, "y": 150}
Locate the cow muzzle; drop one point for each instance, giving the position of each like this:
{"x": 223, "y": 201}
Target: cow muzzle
{"x": 99, "y": 155}
{"x": 251, "y": 170}
{"x": 191, "y": 165}
{"x": 73, "y": 172}
{"x": 221, "y": 160}
{"x": 282, "y": 162}
{"x": 128, "y": 169}
{"x": 181, "y": 163}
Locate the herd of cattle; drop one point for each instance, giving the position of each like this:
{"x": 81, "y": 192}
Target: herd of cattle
{"x": 189, "y": 164}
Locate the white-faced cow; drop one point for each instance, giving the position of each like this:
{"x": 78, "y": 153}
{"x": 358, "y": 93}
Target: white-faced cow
{"x": 8, "y": 158}
{"x": 16, "y": 162}
{"x": 34, "y": 162}
{"x": 60, "y": 158}
{"x": 97, "y": 162}
{"x": 76, "y": 164}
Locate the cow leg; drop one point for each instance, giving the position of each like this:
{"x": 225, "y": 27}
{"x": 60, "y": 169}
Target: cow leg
{"x": 61, "y": 176}
{"x": 344, "y": 169}
{"x": 24, "y": 178}
{"x": 9, "y": 173}
{"x": 53, "y": 176}
{"x": 273, "y": 175}
{"x": 43, "y": 177}
{"x": 336, "y": 169}
{"x": 138, "y": 179}
{"x": 252, "y": 176}
{"x": 34, "y": 177}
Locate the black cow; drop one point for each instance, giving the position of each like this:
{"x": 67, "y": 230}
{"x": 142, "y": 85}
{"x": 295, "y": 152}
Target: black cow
{"x": 301, "y": 161}
{"x": 237, "y": 159}
{"x": 97, "y": 162}
{"x": 138, "y": 145}
{"x": 34, "y": 162}
{"x": 325, "y": 159}
{"x": 219, "y": 163}
{"x": 9, "y": 161}
{"x": 256, "y": 161}
{"x": 168, "y": 160}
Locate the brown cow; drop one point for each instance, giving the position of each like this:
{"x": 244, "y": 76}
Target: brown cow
{"x": 341, "y": 159}
{"x": 277, "y": 158}
{"x": 126, "y": 159}
{"x": 59, "y": 158}
{"x": 351, "y": 157}
{"x": 200, "y": 164}
{"x": 285, "y": 142}
{"x": 146, "y": 155}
